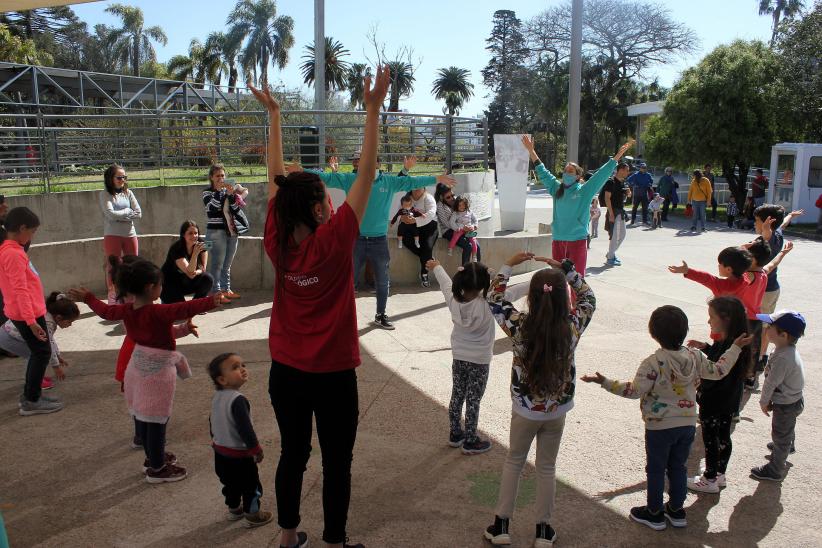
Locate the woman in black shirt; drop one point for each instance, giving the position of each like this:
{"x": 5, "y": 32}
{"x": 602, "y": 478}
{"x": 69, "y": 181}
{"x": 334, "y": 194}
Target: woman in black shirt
{"x": 184, "y": 271}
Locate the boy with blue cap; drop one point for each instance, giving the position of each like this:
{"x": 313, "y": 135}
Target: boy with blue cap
{"x": 782, "y": 390}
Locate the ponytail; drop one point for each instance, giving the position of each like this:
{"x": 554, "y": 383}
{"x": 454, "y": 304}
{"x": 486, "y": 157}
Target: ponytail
{"x": 547, "y": 335}
{"x": 58, "y": 304}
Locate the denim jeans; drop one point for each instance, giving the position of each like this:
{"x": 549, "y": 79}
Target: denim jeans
{"x": 667, "y": 451}
{"x": 699, "y": 213}
{"x": 465, "y": 245}
{"x": 374, "y": 249}
{"x": 220, "y": 257}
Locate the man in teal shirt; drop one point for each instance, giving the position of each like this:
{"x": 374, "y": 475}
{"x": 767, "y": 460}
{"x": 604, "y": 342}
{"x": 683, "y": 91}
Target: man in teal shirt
{"x": 372, "y": 243}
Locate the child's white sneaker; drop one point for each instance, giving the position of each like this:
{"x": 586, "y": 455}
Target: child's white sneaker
{"x": 473, "y": 258}
{"x": 450, "y": 251}
{"x": 701, "y": 484}
{"x": 399, "y": 243}
{"x": 417, "y": 243}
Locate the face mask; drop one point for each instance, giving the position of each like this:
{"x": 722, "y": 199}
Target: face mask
{"x": 568, "y": 179}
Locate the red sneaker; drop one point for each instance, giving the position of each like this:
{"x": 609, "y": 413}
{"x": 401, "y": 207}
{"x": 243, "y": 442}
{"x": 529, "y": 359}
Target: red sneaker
{"x": 170, "y": 458}
{"x": 47, "y": 383}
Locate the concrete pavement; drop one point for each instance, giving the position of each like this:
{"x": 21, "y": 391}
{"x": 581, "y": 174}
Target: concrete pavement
{"x": 70, "y": 479}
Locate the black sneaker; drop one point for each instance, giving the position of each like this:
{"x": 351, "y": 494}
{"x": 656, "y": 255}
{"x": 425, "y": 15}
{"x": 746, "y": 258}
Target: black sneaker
{"x": 302, "y": 541}
{"x": 497, "y": 534}
{"x": 792, "y": 451}
{"x": 456, "y": 440}
{"x": 381, "y": 320}
{"x": 545, "y": 537}
{"x": 765, "y": 473}
{"x": 476, "y": 447}
{"x": 424, "y": 280}
{"x": 676, "y": 517}
{"x": 641, "y": 514}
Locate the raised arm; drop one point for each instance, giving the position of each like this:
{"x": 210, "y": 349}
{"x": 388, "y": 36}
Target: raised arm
{"x": 504, "y": 312}
{"x": 357, "y": 197}
{"x": 274, "y": 156}
{"x": 771, "y": 266}
{"x": 595, "y": 183}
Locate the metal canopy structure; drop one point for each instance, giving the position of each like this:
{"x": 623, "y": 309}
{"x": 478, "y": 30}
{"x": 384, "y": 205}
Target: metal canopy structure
{"x": 43, "y": 87}
{"x": 23, "y": 5}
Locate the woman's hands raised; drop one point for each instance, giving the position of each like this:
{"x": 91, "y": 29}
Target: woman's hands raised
{"x": 623, "y": 149}
{"x": 373, "y": 97}
{"x": 264, "y": 96}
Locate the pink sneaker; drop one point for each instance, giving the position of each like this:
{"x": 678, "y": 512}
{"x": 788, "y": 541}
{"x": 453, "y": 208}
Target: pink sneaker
{"x": 47, "y": 383}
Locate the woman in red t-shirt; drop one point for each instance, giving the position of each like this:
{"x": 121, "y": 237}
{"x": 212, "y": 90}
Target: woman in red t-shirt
{"x": 313, "y": 333}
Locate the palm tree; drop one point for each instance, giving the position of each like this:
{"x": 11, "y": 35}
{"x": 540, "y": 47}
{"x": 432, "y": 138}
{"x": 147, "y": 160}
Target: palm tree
{"x": 268, "y": 37}
{"x": 202, "y": 64}
{"x": 452, "y": 85}
{"x": 132, "y": 42}
{"x": 779, "y": 9}
{"x": 336, "y": 70}
{"x": 354, "y": 83}
{"x": 402, "y": 83}
{"x": 230, "y": 50}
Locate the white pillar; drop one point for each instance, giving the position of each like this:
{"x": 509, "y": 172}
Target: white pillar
{"x": 319, "y": 75}
{"x": 575, "y": 81}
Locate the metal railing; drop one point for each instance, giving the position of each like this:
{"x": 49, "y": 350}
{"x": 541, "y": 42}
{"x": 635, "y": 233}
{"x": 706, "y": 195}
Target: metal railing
{"x": 51, "y": 152}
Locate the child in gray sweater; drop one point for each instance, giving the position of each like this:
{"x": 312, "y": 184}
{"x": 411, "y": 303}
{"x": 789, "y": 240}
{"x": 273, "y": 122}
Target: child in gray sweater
{"x": 782, "y": 390}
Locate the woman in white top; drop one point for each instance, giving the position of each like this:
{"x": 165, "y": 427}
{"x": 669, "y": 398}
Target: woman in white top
{"x": 445, "y": 200}
{"x": 120, "y": 208}
{"x": 426, "y": 229}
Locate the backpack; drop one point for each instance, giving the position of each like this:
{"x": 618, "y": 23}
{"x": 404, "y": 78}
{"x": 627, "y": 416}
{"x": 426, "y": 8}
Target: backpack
{"x": 602, "y": 202}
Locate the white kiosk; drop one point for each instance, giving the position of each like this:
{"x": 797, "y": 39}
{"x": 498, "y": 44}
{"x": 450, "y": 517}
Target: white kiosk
{"x": 796, "y": 178}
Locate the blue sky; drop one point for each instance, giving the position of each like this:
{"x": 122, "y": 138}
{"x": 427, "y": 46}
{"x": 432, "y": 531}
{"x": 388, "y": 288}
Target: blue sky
{"x": 441, "y": 32}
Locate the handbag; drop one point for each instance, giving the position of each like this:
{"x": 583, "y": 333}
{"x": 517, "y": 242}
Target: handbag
{"x": 689, "y": 211}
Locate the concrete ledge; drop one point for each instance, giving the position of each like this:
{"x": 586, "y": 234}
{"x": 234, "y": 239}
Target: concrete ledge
{"x": 80, "y": 262}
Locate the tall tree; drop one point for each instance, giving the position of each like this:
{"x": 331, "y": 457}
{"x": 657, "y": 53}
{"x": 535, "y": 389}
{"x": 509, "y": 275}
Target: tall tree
{"x": 799, "y": 46}
{"x": 20, "y": 50}
{"x": 354, "y": 84}
{"x": 402, "y": 83}
{"x": 268, "y": 36}
{"x": 452, "y": 84}
{"x": 508, "y": 54}
{"x": 57, "y": 21}
{"x": 779, "y": 10}
{"x": 336, "y": 69}
{"x": 647, "y": 38}
{"x": 740, "y": 83}
{"x": 132, "y": 43}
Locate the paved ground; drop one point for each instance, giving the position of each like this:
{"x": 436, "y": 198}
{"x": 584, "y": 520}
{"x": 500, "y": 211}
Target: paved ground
{"x": 70, "y": 479}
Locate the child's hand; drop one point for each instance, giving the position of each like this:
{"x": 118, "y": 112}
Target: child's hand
{"x": 549, "y": 261}
{"x": 62, "y": 362}
{"x": 788, "y": 248}
{"x": 78, "y": 294}
{"x": 192, "y": 328}
{"x": 766, "y": 407}
{"x": 432, "y": 264}
{"x": 519, "y": 258}
{"x": 38, "y": 331}
{"x": 264, "y": 96}
{"x": 59, "y": 372}
{"x": 697, "y": 344}
{"x": 679, "y": 269}
{"x": 334, "y": 164}
{"x": 743, "y": 340}
{"x": 596, "y": 377}
{"x": 258, "y": 458}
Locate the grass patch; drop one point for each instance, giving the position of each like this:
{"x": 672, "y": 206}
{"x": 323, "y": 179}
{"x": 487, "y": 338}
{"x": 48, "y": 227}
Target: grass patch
{"x": 485, "y": 489}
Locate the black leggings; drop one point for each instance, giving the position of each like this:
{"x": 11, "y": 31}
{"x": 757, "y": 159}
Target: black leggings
{"x": 39, "y": 359}
{"x": 428, "y": 237}
{"x": 154, "y": 442}
{"x": 175, "y": 288}
{"x": 241, "y": 482}
{"x": 331, "y": 399}
{"x": 716, "y": 435}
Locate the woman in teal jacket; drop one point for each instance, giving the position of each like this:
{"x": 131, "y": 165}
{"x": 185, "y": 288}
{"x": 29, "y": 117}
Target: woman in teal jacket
{"x": 572, "y": 203}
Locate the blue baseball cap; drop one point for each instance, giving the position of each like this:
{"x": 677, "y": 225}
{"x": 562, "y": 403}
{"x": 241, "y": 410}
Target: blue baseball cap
{"x": 792, "y": 323}
{"x": 643, "y": 164}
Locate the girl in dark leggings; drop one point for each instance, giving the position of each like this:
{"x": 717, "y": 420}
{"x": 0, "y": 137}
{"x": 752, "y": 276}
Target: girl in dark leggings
{"x": 312, "y": 254}
{"x": 427, "y": 230}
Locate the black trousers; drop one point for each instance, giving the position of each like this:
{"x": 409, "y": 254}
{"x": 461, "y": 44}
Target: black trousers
{"x": 716, "y": 435}
{"x": 3, "y": 317}
{"x": 463, "y": 244}
{"x": 731, "y": 221}
{"x": 714, "y": 205}
{"x": 428, "y": 237}
{"x": 154, "y": 442}
{"x": 241, "y": 482}
{"x": 640, "y": 198}
{"x": 176, "y": 288}
{"x": 332, "y": 400}
{"x": 666, "y": 205}
{"x": 39, "y": 359}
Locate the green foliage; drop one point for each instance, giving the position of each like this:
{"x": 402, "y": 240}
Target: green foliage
{"x": 132, "y": 42}
{"x": 739, "y": 82}
{"x": 20, "y": 50}
{"x": 453, "y": 86}
{"x": 268, "y": 37}
{"x": 336, "y": 69}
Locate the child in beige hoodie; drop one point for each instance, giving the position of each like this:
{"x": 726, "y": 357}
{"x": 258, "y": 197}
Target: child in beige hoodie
{"x": 666, "y": 382}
